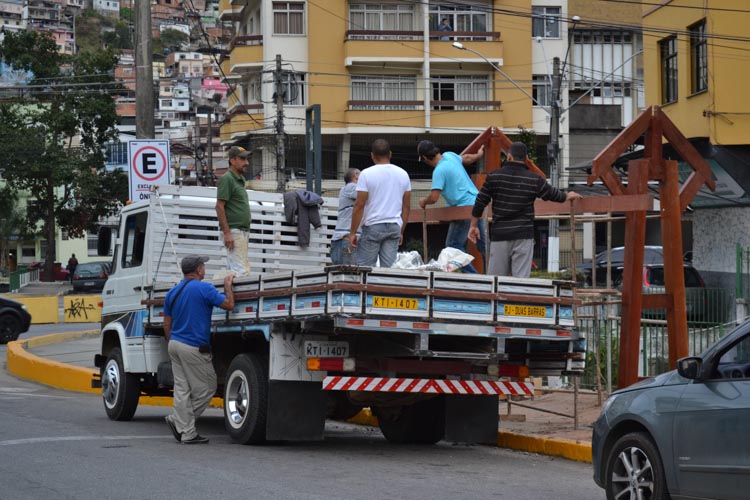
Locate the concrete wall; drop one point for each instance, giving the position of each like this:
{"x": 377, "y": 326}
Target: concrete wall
{"x": 716, "y": 233}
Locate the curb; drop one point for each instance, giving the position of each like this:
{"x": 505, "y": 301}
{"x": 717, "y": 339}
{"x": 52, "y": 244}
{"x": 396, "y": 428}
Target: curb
{"x": 77, "y": 379}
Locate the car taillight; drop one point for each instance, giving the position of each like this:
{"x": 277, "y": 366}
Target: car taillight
{"x": 645, "y": 277}
{"x": 103, "y": 276}
{"x": 75, "y": 276}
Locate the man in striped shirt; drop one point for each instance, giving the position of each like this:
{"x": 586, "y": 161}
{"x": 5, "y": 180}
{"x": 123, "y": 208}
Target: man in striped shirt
{"x": 512, "y": 190}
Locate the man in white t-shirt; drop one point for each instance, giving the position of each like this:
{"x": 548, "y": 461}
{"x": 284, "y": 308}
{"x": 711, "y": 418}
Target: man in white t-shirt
{"x": 382, "y": 207}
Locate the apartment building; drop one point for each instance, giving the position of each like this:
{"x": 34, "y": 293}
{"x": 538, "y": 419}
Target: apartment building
{"x": 383, "y": 69}
{"x": 11, "y": 15}
{"x": 696, "y": 69}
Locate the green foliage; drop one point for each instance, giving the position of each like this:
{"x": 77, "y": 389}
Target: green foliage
{"x": 127, "y": 15}
{"x": 527, "y": 137}
{"x": 51, "y": 143}
{"x": 169, "y": 38}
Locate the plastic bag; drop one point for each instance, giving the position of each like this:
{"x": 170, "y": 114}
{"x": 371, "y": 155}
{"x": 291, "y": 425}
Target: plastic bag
{"x": 453, "y": 259}
{"x": 408, "y": 260}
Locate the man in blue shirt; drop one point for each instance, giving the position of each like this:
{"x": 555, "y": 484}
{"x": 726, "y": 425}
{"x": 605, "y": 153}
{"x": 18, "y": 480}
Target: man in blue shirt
{"x": 450, "y": 179}
{"x": 187, "y": 328}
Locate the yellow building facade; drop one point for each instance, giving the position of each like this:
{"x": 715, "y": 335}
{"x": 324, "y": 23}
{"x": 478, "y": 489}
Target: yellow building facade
{"x": 377, "y": 69}
{"x": 696, "y": 67}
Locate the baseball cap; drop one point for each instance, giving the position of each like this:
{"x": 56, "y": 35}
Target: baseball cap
{"x": 237, "y": 151}
{"x": 427, "y": 148}
{"x": 191, "y": 262}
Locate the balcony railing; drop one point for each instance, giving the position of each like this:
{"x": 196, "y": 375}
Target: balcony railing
{"x": 465, "y": 105}
{"x": 419, "y": 35}
{"x": 419, "y": 105}
{"x": 240, "y": 41}
{"x": 385, "y": 105}
{"x": 242, "y": 109}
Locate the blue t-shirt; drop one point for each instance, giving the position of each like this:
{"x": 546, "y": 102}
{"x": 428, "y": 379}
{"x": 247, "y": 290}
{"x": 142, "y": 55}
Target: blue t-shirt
{"x": 191, "y": 314}
{"x": 451, "y": 179}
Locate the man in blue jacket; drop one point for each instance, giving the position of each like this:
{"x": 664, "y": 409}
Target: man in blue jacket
{"x": 187, "y": 328}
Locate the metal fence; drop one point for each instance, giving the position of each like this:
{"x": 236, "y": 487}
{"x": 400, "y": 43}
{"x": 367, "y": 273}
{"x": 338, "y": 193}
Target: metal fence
{"x": 602, "y": 324}
{"x": 19, "y": 279}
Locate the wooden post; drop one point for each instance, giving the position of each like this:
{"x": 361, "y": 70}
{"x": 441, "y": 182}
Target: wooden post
{"x": 632, "y": 282}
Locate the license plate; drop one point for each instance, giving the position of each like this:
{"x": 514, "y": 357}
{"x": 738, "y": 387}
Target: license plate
{"x": 528, "y": 311}
{"x": 321, "y": 349}
{"x": 395, "y": 303}
{"x": 88, "y": 283}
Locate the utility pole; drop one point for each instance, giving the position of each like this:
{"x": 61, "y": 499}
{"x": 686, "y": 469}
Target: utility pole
{"x": 280, "y": 159}
{"x": 553, "y": 153}
{"x": 209, "y": 180}
{"x": 144, "y": 72}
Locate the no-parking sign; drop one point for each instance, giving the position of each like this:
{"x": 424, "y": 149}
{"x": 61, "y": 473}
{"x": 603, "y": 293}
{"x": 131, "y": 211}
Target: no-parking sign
{"x": 149, "y": 165}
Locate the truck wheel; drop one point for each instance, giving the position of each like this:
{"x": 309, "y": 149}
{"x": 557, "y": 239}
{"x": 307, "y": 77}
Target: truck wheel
{"x": 246, "y": 399}
{"x": 422, "y": 422}
{"x": 10, "y": 328}
{"x": 120, "y": 390}
{"x": 340, "y": 407}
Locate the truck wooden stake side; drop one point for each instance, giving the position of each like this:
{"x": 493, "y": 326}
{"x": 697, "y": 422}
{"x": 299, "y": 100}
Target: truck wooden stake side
{"x": 428, "y": 351}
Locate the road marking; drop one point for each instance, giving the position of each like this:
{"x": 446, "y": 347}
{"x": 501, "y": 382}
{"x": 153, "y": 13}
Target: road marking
{"x": 13, "y": 442}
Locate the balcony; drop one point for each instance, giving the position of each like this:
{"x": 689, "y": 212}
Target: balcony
{"x": 242, "y": 119}
{"x": 406, "y": 48}
{"x": 229, "y": 11}
{"x": 245, "y": 53}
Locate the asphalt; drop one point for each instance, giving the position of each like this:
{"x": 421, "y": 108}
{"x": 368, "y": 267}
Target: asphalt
{"x": 66, "y": 361}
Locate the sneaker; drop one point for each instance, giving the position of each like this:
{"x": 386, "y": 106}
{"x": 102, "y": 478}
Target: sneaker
{"x": 198, "y": 439}
{"x": 172, "y": 428}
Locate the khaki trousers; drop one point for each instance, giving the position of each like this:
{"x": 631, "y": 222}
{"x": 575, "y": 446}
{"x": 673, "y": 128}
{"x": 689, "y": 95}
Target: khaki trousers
{"x": 194, "y": 386}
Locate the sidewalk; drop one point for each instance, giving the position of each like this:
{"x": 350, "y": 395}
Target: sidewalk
{"x": 66, "y": 361}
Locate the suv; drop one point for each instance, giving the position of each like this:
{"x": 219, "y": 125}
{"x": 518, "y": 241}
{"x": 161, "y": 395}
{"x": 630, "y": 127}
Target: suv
{"x": 91, "y": 276}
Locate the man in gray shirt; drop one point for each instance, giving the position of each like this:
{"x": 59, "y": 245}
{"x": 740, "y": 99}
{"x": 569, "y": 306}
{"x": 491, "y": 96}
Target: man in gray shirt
{"x": 342, "y": 252}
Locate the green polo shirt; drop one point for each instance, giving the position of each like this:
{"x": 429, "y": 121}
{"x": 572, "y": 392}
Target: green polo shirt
{"x": 232, "y": 190}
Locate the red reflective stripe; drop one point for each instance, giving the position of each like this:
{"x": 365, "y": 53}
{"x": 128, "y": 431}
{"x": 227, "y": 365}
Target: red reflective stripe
{"x": 497, "y": 387}
{"x": 466, "y": 386}
{"x": 366, "y": 382}
{"x": 380, "y": 384}
{"x": 332, "y": 382}
{"x": 348, "y": 383}
{"x": 528, "y": 390}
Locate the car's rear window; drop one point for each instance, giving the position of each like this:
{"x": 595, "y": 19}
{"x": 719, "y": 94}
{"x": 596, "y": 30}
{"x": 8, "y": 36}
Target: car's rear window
{"x": 91, "y": 267}
{"x": 692, "y": 278}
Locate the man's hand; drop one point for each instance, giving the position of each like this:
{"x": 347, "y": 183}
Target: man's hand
{"x": 474, "y": 234}
{"x": 353, "y": 242}
{"x": 423, "y": 203}
{"x": 228, "y": 240}
{"x": 228, "y": 282}
{"x": 572, "y": 195}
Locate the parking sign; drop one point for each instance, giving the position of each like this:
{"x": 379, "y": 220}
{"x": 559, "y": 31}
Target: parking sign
{"x": 149, "y": 165}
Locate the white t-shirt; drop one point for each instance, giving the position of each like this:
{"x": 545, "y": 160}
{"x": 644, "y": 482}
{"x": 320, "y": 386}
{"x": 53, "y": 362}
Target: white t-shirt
{"x": 385, "y": 185}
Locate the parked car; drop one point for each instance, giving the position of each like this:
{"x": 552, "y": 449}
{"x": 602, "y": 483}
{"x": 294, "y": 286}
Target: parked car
{"x": 683, "y": 433}
{"x": 91, "y": 276}
{"x": 651, "y": 255}
{"x": 14, "y": 320}
{"x": 59, "y": 274}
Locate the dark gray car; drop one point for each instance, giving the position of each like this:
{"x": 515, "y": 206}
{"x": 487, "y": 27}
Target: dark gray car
{"x": 91, "y": 276}
{"x": 684, "y": 434}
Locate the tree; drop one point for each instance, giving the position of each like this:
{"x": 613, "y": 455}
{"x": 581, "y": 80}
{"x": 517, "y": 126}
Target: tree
{"x": 52, "y": 141}
{"x": 12, "y": 224}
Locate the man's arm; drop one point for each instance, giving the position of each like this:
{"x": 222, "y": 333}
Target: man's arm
{"x": 474, "y": 230}
{"x": 405, "y": 210}
{"x": 469, "y": 158}
{"x": 357, "y": 213}
{"x": 167, "y": 325}
{"x": 228, "y": 303}
{"x": 433, "y": 197}
{"x": 221, "y": 214}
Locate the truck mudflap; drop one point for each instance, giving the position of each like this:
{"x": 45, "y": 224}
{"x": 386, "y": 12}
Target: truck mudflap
{"x": 428, "y": 386}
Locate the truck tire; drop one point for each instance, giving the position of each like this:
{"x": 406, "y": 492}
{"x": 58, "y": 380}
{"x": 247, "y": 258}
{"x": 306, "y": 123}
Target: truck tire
{"x": 246, "y": 399}
{"x": 422, "y": 422}
{"x": 120, "y": 390}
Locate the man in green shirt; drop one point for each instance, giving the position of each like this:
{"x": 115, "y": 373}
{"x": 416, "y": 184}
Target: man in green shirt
{"x": 233, "y": 211}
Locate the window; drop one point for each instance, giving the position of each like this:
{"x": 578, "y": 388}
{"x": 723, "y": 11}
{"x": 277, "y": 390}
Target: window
{"x": 294, "y": 88}
{"x": 541, "y": 90}
{"x": 134, "y": 239}
{"x": 377, "y": 17}
{"x": 545, "y": 22}
{"x": 668, "y": 52}
{"x": 448, "y": 90}
{"x": 461, "y": 18}
{"x": 288, "y": 18}
{"x": 698, "y": 57}
{"x": 384, "y": 88}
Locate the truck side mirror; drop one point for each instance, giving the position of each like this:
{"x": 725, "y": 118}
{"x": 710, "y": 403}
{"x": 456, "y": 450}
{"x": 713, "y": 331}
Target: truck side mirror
{"x": 104, "y": 242}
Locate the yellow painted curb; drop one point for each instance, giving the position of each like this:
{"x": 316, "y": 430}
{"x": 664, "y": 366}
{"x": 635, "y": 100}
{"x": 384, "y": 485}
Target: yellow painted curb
{"x": 566, "y": 448}
{"x": 52, "y": 373}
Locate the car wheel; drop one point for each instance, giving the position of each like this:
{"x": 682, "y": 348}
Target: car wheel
{"x": 10, "y": 328}
{"x": 635, "y": 470}
{"x": 246, "y": 399}
{"x": 120, "y": 390}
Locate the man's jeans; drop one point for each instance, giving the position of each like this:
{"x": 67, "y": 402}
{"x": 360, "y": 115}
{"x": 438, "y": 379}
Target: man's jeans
{"x": 458, "y": 233}
{"x": 378, "y": 240}
{"x": 342, "y": 253}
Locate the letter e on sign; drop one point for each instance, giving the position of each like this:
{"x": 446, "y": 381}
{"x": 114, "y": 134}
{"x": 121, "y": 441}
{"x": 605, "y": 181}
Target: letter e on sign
{"x": 149, "y": 165}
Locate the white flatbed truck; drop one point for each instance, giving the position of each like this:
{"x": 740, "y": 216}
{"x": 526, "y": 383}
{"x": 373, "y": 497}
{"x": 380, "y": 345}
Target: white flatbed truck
{"x": 428, "y": 351}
